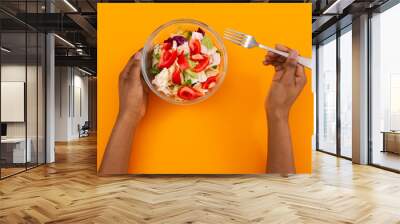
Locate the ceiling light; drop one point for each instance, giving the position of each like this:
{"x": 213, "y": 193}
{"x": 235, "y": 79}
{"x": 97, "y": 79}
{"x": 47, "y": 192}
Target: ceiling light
{"x": 84, "y": 71}
{"x": 79, "y": 51}
{"x": 70, "y": 5}
{"x": 65, "y": 41}
{"x": 5, "y": 50}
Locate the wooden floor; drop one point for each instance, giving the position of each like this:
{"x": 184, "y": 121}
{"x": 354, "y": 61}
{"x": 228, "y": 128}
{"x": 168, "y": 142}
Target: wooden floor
{"x": 5, "y": 172}
{"x": 69, "y": 191}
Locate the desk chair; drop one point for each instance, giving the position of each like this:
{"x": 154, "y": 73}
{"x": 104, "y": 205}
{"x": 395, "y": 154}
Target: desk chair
{"x": 84, "y": 130}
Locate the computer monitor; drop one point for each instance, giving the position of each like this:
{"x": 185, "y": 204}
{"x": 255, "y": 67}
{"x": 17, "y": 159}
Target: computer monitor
{"x": 3, "y": 129}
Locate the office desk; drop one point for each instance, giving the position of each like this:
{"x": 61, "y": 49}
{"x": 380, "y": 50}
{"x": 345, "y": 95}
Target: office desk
{"x": 13, "y": 150}
{"x": 391, "y": 141}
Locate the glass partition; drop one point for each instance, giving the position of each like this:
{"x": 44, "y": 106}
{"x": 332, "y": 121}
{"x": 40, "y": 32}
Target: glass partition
{"x": 385, "y": 89}
{"x": 14, "y": 153}
{"x": 327, "y": 96}
{"x": 22, "y": 77}
{"x": 31, "y": 99}
{"x": 346, "y": 93}
{"x": 32, "y": 87}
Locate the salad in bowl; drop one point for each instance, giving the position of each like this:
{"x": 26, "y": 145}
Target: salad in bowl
{"x": 187, "y": 65}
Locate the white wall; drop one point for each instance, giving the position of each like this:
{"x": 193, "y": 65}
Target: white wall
{"x": 71, "y": 102}
{"x": 13, "y": 101}
{"x": 61, "y": 114}
{"x": 81, "y": 102}
{"x": 12, "y": 73}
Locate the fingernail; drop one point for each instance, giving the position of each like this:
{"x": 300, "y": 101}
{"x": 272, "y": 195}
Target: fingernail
{"x": 137, "y": 56}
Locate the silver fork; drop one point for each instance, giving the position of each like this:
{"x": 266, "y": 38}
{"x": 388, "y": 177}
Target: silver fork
{"x": 248, "y": 41}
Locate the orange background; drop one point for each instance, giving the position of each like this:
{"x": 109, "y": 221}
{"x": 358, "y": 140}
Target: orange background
{"x": 227, "y": 133}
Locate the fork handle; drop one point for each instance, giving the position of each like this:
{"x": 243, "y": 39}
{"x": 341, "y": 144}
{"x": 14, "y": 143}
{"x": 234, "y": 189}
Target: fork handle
{"x": 302, "y": 60}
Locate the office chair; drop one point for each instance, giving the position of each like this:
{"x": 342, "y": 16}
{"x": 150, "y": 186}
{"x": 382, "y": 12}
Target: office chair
{"x": 84, "y": 130}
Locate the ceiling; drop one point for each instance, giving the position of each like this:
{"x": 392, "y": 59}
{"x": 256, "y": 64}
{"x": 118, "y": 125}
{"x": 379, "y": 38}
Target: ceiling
{"x": 76, "y": 22}
{"x": 23, "y": 21}
{"x": 329, "y": 16}
{"x": 40, "y": 5}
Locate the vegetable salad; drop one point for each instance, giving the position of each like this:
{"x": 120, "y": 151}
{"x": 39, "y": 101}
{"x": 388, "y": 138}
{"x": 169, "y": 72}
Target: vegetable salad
{"x": 186, "y": 65}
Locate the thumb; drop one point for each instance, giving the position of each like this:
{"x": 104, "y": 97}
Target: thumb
{"x": 135, "y": 69}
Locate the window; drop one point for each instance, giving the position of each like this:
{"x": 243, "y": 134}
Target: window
{"x": 333, "y": 137}
{"x": 346, "y": 92}
{"x": 385, "y": 89}
{"x": 327, "y": 96}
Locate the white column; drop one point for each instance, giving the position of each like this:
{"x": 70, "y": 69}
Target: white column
{"x": 50, "y": 99}
{"x": 360, "y": 90}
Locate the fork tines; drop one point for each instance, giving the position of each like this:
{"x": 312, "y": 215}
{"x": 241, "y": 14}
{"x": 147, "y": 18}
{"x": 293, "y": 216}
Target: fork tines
{"x": 236, "y": 37}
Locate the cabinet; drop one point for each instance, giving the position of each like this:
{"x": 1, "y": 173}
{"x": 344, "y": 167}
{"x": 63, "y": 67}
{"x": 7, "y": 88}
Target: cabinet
{"x": 391, "y": 142}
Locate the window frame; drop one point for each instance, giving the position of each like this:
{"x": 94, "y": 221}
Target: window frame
{"x": 337, "y": 35}
{"x": 381, "y": 9}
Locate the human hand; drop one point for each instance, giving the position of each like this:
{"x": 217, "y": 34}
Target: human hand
{"x": 288, "y": 82}
{"x": 132, "y": 107}
{"x": 132, "y": 93}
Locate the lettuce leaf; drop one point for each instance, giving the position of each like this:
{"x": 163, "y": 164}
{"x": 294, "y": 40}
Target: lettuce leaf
{"x": 206, "y": 41}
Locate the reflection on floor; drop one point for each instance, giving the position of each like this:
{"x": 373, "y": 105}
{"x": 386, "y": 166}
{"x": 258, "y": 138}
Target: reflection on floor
{"x": 13, "y": 169}
{"x": 10, "y": 171}
{"x": 387, "y": 159}
{"x": 69, "y": 191}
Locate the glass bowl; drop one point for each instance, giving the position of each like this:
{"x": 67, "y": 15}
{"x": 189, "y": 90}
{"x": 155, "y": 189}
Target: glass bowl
{"x": 161, "y": 34}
